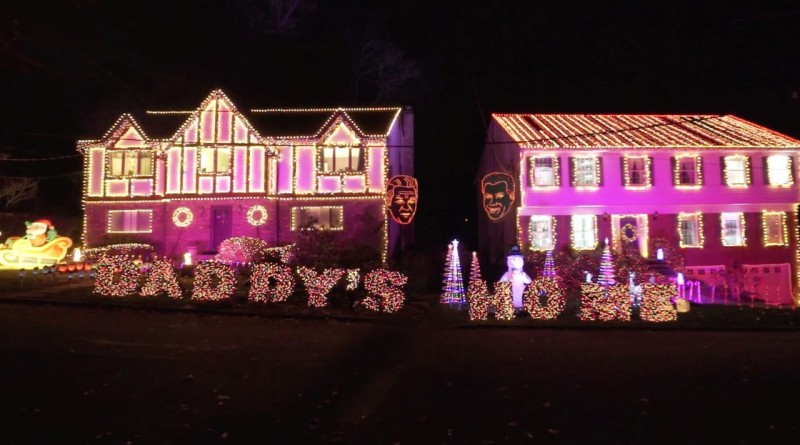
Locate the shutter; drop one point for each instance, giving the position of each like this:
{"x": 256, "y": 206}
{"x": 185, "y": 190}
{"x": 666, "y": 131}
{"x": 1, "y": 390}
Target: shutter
{"x": 699, "y": 168}
{"x": 599, "y": 170}
{"x": 571, "y": 172}
{"x": 651, "y": 172}
{"x": 791, "y": 168}
{"x": 673, "y": 163}
{"x": 557, "y": 171}
{"x": 622, "y": 169}
{"x": 722, "y": 170}
{"x": 748, "y": 170}
{"x": 765, "y": 169}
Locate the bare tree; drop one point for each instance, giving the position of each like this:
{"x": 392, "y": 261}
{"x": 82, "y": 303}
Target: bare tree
{"x": 14, "y": 191}
{"x": 384, "y": 66}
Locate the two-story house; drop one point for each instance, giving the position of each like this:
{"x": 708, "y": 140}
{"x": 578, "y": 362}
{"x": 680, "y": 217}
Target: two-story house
{"x": 185, "y": 180}
{"x": 723, "y": 190}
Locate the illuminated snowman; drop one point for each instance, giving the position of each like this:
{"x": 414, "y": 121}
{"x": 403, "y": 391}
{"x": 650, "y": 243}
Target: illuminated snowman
{"x": 518, "y": 278}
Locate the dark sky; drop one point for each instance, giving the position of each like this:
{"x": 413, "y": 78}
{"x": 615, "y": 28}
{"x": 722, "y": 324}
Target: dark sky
{"x": 68, "y": 69}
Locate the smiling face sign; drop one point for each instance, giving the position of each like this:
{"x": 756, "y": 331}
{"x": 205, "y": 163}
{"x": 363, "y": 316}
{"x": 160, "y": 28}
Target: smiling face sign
{"x": 401, "y": 198}
{"x": 498, "y": 194}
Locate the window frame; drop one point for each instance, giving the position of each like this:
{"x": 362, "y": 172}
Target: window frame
{"x": 577, "y": 172}
{"x": 784, "y": 229}
{"x": 745, "y": 171}
{"x": 360, "y": 160}
{"x": 591, "y": 233}
{"x": 696, "y": 171}
{"x": 698, "y": 229}
{"x": 215, "y": 161}
{"x": 551, "y": 232}
{"x": 646, "y": 171}
{"x": 555, "y": 168}
{"x": 740, "y": 227}
{"x": 787, "y": 170}
{"x": 297, "y": 225}
{"x": 126, "y": 229}
{"x": 125, "y": 154}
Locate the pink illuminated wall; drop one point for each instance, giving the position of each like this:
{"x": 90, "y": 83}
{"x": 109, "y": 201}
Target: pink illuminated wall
{"x": 224, "y": 130}
{"x": 285, "y": 169}
{"x": 240, "y": 132}
{"x": 189, "y": 169}
{"x": 240, "y": 169}
{"x": 96, "y": 171}
{"x": 190, "y": 135}
{"x": 131, "y": 138}
{"x": 223, "y": 184}
{"x": 257, "y": 169}
{"x": 376, "y": 177}
{"x": 354, "y": 184}
{"x": 206, "y": 184}
{"x": 117, "y": 187}
{"x": 342, "y": 135}
{"x": 141, "y": 187}
{"x": 207, "y": 124}
{"x": 306, "y": 170}
{"x": 329, "y": 184}
{"x": 160, "y": 177}
{"x": 174, "y": 170}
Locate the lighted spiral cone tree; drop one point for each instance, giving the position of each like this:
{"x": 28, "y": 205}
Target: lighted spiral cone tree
{"x": 453, "y": 290}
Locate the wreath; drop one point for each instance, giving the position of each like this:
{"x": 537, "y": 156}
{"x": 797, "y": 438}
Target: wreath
{"x": 634, "y": 233}
{"x": 257, "y": 221}
{"x": 187, "y": 217}
{"x": 556, "y": 298}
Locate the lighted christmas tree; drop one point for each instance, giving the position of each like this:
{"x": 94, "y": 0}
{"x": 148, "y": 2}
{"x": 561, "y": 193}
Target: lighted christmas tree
{"x": 453, "y": 282}
{"x": 606, "y": 276}
{"x": 549, "y": 265}
{"x": 474, "y": 273}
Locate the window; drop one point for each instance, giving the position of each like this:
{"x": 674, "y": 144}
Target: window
{"x": 687, "y": 171}
{"x": 342, "y": 159}
{"x": 690, "y": 229}
{"x": 544, "y": 171}
{"x": 736, "y": 171}
{"x": 215, "y": 161}
{"x": 775, "y": 230}
{"x": 323, "y": 218}
{"x": 637, "y": 171}
{"x": 733, "y": 229}
{"x": 779, "y": 170}
{"x": 584, "y": 232}
{"x": 130, "y": 221}
{"x": 130, "y": 163}
{"x": 587, "y": 171}
{"x": 542, "y": 232}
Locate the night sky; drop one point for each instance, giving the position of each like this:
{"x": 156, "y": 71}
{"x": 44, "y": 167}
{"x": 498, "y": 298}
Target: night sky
{"x": 68, "y": 69}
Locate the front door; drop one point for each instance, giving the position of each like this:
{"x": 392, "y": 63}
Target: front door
{"x": 630, "y": 231}
{"x": 220, "y": 226}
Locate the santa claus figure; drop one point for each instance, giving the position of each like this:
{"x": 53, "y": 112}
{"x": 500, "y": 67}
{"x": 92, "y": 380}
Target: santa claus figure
{"x": 37, "y": 231}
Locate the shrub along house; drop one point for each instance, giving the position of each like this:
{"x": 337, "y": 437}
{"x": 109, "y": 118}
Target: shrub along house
{"x": 184, "y": 181}
{"x": 720, "y": 189}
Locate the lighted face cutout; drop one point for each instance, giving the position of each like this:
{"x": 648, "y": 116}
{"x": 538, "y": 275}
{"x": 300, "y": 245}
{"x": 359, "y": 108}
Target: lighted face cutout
{"x": 498, "y": 194}
{"x": 402, "y": 193}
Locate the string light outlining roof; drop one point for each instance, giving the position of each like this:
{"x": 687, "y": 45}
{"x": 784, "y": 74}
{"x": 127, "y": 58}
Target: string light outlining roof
{"x": 638, "y": 131}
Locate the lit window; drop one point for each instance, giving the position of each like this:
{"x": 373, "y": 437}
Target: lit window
{"x": 584, "y": 232}
{"x": 342, "y": 159}
{"x": 637, "y": 172}
{"x": 690, "y": 229}
{"x": 130, "y": 221}
{"x": 687, "y": 171}
{"x": 215, "y": 161}
{"x": 586, "y": 172}
{"x": 322, "y": 218}
{"x": 779, "y": 170}
{"x": 130, "y": 163}
{"x": 543, "y": 171}
{"x": 541, "y": 232}
{"x": 775, "y": 229}
{"x": 732, "y": 229}
{"x": 736, "y": 174}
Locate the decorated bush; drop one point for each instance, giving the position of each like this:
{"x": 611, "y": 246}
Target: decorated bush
{"x": 130, "y": 250}
{"x": 242, "y": 249}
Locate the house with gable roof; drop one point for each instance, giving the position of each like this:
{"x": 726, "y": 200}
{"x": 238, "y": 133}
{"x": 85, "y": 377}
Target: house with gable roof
{"x": 186, "y": 180}
{"x": 720, "y": 189}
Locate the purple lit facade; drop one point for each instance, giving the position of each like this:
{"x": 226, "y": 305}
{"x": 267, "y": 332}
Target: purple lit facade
{"x": 721, "y": 189}
{"x": 325, "y": 167}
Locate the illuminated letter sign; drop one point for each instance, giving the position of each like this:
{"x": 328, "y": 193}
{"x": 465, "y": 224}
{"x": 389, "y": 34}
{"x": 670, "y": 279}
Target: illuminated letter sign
{"x": 498, "y": 194}
{"x": 401, "y": 198}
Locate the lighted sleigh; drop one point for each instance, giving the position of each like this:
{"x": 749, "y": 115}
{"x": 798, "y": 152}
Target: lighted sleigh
{"x": 21, "y": 254}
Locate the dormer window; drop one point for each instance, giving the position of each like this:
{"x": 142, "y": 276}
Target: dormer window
{"x": 130, "y": 163}
{"x": 342, "y": 159}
